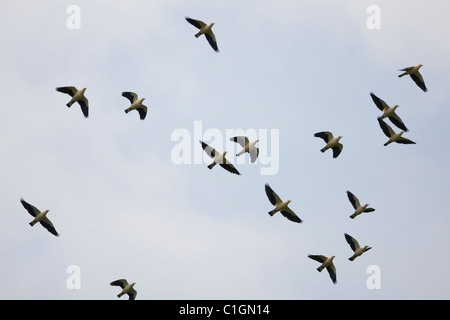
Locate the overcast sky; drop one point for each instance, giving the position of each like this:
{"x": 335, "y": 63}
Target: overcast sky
{"x": 126, "y": 208}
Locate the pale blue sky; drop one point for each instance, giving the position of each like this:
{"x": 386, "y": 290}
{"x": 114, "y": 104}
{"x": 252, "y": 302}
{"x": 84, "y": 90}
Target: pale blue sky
{"x": 125, "y": 210}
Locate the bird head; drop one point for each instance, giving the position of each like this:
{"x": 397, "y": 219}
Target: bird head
{"x": 289, "y": 201}
{"x": 395, "y": 107}
{"x": 45, "y": 212}
{"x": 132, "y": 284}
{"x": 419, "y": 66}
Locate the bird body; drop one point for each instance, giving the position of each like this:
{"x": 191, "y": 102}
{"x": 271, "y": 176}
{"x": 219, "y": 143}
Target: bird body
{"x": 77, "y": 96}
{"x": 204, "y": 29}
{"x": 39, "y": 217}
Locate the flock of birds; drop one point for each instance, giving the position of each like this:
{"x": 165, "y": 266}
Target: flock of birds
{"x": 333, "y": 143}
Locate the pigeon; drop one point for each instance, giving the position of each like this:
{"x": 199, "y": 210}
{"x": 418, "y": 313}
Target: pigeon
{"x": 357, "y": 250}
{"x": 77, "y": 96}
{"x": 415, "y": 75}
{"x": 388, "y": 112}
{"x": 39, "y": 216}
{"x": 393, "y": 136}
{"x": 219, "y": 158}
{"x": 325, "y": 263}
{"x": 280, "y": 205}
{"x": 136, "y": 104}
{"x": 357, "y": 206}
{"x": 332, "y": 142}
{"x": 206, "y": 30}
{"x": 247, "y": 147}
{"x": 127, "y": 288}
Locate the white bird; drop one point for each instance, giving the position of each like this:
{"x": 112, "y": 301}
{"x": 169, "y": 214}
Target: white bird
{"x": 39, "y": 216}
{"x": 77, "y": 96}
{"x": 326, "y": 263}
{"x": 357, "y": 249}
{"x": 414, "y": 73}
{"x": 205, "y": 29}
{"x": 280, "y": 205}
{"x": 219, "y": 158}
{"x": 357, "y": 206}
{"x": 136, "y": 104}
{"x": 393, "y": 136}
{"x": 247, "y": 147}
{"x": 332, "y": 142}
{"x": 388, "y": 112}
{"x": 127, "y": 288}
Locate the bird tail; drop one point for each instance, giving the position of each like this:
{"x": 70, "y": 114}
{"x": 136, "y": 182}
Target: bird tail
{"x": 127, "y": 110}
{"x": 272, "y": 212}
{"x": 320, "y": 268}
{"x": 119, "y": 295}
{"x": 32, "y": 223}
{"x": 69, "y": 104}
{"x": 323, "y": 149}
{"x": 386, "y": 144}
{"x": 211, "y": 165}
{"x": 403, "y": 74}
{"x": 352, "y": 258}
{"x": 198, "y": 35}
{"x": 353, "y": 216}
{"x": 240, "y": 153}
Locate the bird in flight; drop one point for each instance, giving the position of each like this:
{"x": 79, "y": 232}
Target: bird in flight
{"x": 205, "y": 29}
{"x": 127, "y": 288}
{"x": 388, "y": 112}
{"x": 247, "y": 146}
{"x": 280, "y": 205}
{"x": 392, "y": 135}
{"x": 331, "y": 142}
{"x": 218, "y": 158}
{"x": 357, "y": 206}
{"x": 414, "y": 73}
{"x": 357, "y": 249}
{"x": 325, "y": 263}
{"x": 39, "y": 216}
{"x": 136, "y": 104}
{"x": 77, "y": 96}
